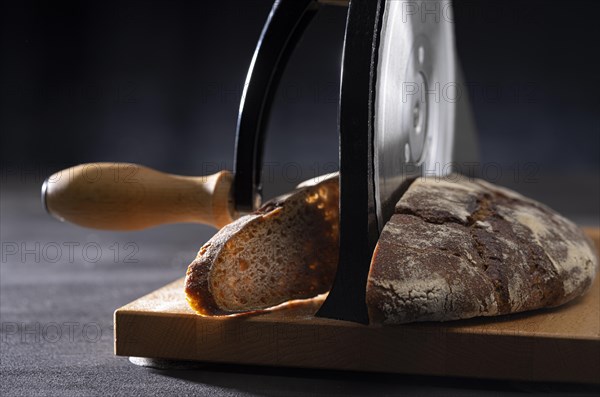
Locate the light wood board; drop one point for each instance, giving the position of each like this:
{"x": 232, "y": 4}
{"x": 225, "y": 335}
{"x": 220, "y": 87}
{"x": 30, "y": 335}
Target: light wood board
{"x": 561, "y": 344}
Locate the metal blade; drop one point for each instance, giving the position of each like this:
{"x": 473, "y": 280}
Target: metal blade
{"x": 393, "y": 127}
{"x": 415, "y": 98}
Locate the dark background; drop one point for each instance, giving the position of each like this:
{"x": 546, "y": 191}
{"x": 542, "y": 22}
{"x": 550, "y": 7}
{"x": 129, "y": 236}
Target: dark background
{"x": 159, "y": 82}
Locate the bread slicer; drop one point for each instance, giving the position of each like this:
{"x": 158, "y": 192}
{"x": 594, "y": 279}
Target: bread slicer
{"x": 403, "y": 113}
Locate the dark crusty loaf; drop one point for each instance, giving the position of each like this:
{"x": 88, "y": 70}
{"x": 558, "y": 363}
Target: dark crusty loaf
{"x": 459, "y": 248}
{"x": 286, "y": 250}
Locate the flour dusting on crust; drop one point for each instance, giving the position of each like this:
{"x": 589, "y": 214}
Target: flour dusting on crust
{"x": 458, "y": 248}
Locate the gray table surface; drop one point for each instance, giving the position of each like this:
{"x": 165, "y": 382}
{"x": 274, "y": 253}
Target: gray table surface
{"x": 59, "y": 287}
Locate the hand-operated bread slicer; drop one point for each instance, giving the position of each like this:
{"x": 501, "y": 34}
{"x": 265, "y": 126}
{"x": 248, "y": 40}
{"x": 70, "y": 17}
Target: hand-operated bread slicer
{"x": 403, "y": 113}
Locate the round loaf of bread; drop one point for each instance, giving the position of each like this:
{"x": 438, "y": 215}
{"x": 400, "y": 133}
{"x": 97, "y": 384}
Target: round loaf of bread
{"x": 458, "y": 248}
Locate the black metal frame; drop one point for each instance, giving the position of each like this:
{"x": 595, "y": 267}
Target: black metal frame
{"x": 358, "y": 220}
{"x": 282, "y": 31}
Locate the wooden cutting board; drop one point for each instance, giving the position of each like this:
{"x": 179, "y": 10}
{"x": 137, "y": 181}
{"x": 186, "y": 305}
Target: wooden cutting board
{"x": 561, "y": 344}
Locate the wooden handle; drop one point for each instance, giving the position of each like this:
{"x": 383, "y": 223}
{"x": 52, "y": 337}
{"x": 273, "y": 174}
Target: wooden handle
{"x": 121, "y": 196}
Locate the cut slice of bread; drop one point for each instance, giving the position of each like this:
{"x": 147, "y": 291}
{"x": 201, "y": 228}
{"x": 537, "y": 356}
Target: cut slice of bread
{"x": 286, "y": 250}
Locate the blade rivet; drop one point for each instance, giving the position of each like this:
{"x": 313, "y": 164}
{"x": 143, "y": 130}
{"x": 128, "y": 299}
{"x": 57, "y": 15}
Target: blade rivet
{"x": 417, "y": 117}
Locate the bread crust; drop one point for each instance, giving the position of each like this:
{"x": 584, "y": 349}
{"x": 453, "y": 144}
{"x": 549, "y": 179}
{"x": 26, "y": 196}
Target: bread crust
{"x": 197, "y": 280}
{"x": 458, "y": 248}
